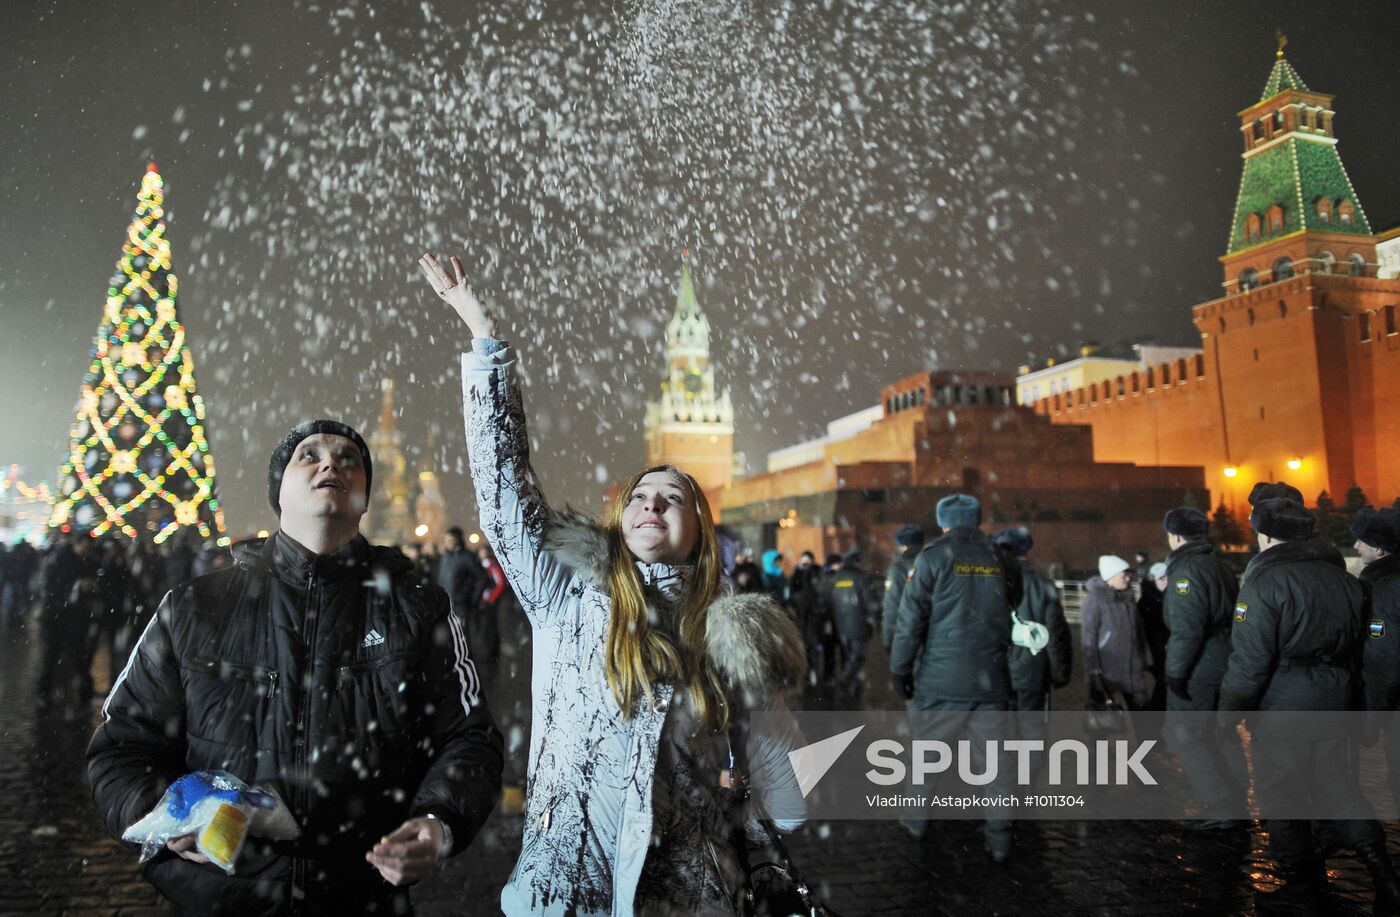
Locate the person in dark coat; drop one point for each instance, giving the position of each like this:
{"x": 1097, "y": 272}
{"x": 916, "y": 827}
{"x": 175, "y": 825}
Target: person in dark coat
{"x": 1116, "y": 658}
{"x": 70, "y": 587}
{"x": 1200, "y": 593}
{"x": 908, "y": 541}
{"x": 1034, "y": 674}
{"x": 813, "y": 618}
{"x": 465, "y": 581}
{"x": 322, "y": 668}
{"x": 1155, "y": 634}
{"x": 951, "y": 640}
{"x": 1377, "y": 534}
{"x": 746, "y": 575}
{"x": 850, "y": 594}
{"x": 1294, "y": 646}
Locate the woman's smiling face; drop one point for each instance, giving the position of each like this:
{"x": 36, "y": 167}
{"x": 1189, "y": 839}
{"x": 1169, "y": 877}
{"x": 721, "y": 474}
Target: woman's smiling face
{"x": 660, "y": 523}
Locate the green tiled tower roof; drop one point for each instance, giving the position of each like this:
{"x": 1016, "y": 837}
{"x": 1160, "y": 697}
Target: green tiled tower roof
{"x": 1282, "y": 77}
{"x": 1294, "y": 171}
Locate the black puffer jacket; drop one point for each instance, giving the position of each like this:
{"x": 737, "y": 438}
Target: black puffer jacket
{"x": 1381, "y": 653}
{"x": 956, "y": 609}
{"x": 1040, "y": 602}
{"x": 1297, "y": 623}
{"x": 339, "y": 681}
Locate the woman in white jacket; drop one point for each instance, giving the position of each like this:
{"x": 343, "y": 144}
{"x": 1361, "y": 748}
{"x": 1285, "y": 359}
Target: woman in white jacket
{"x": 641, "y": 666}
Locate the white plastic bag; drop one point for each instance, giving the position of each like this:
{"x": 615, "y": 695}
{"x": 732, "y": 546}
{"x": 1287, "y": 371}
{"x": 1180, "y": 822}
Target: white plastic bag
{"x": 219, "y": 809}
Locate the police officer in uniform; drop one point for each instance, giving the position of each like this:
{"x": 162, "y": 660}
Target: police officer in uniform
{"x": 1033, "y": 674}
{"x": 1377, "y": 534}
{"x": 1199, "y": 600}
{"x": 955, "y": 621}
{"x": 850, "y": 596}
{"x": 1295, "y": 643}
{"x": 908, "y": 540}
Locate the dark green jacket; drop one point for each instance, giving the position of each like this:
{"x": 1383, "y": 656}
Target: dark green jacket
{"x": 1296, "y": 626}
{"x": 957, "y": 609}
{"x": 1200, "y": 602}
{"x": 895, "y": 578}
{"x": 1380, "y": 583}
{"x": 1040, "y": 602}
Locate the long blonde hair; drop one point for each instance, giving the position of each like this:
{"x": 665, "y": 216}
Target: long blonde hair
{"x": 638, "y": 656}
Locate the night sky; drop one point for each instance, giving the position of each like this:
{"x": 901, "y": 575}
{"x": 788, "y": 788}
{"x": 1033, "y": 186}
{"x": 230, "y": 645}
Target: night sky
{"x": 867, "y": 192}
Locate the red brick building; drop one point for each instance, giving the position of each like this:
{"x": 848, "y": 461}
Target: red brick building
{"x": 937, "y": 433}
{"x": 1299, "y": 379}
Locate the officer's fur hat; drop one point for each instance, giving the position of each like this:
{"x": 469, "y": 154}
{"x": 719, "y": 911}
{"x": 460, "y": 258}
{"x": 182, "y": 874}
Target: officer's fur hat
{"x": 1283, "y": 519}
{"x": 1186, "y": 521}
{"x": 959, "y": 511}
{"x": 1379, "y": 528}
{"x": 1015, "y": 541}
{"x": 1267, "y": 490}
{"x": 909, "y": 536}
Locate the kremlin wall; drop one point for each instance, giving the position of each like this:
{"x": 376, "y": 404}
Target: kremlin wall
{"x": 1297, "y": 377}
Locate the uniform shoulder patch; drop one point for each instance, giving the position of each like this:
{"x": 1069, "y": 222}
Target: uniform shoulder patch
{"x": 1241, "y": 609}
{"x": 1376, "y": 629}
{"x": 910, "y": 575}
{"x": 1183, "y": 587}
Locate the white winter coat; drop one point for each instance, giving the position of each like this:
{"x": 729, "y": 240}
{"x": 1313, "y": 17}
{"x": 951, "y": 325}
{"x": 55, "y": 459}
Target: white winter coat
{"x": 622, "y": 816}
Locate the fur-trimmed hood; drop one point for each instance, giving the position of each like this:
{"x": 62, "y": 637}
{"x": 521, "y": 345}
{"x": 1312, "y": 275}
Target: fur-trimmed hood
{"x": 750, "y": 639}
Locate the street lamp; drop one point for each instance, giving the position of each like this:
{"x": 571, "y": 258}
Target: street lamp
{"x": 1231, "y": 471}
{"x": 1294, "y": 464}
{"x": 421, "y": 530}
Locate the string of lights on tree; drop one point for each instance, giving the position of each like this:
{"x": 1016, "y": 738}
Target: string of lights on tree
{"x": 139, "y": 460}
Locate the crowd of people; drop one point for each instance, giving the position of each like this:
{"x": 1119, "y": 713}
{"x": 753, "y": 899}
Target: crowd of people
{"x": 351, "y": 681}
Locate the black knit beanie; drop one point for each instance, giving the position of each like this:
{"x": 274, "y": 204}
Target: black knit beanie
{"x": 285, "y": 449}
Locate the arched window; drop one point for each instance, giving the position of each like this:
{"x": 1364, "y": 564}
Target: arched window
{"x": 1200, "y": 366}
{"x": 1358, "y": 264}
{"x": 1282, "y": 309}
{"x": 1222, "y": 324}
{"x": 1249, "y": 279}
{"x": 1121, "y": 387}
{"x": 1137, "y": 383}
{"x": 1346, "y": 211}
{"x": 1328, "y": 261}
{"x": 1181, "y": 370}
{"x": 1278, "y": 120}
{"x": 1251, "y": 316}
{"x": 1283, "y": 268}
{"x": 1274, "y": 217}
{"x": 1324, "y": 209}
{"x": 1253, "y": 227}
{"x": 1151, "y": 384}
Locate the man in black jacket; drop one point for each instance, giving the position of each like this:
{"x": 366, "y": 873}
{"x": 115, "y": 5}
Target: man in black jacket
{"x": 1034, "y": 674}
{"x": 320, "y": 667}
{"x": 955, "y": 620}
{"x": 1377, "y": 534}
{"x": 1199, "y": 600}
{"x": 1294, "y": 647}
{"x": 850, "y": 595}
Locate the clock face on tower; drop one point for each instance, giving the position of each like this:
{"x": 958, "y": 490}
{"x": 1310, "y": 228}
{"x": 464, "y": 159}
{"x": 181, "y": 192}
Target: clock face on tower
{"x": 693, "y": 382}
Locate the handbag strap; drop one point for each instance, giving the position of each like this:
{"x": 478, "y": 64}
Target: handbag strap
{"x": 739, "y": 771}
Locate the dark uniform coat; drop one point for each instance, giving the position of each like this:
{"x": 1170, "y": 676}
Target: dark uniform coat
{"x": 895, "y": 578}
{"x": 956, "y": 609}
{"x": 1294, "y": 640}
{"x": 1380, "y": 582}
{"x": 1200, "y": 601}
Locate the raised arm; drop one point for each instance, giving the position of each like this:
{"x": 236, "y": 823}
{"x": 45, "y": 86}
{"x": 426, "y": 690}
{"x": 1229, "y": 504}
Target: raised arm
{"x": 513, "y": 513}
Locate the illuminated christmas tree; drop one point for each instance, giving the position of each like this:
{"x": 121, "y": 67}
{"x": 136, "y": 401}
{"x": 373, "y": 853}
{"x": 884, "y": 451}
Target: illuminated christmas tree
{"x": 138, "y": 460}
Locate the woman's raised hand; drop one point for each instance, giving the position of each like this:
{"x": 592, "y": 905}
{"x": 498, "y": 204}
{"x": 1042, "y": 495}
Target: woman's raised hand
{"x": 452, "y": 289}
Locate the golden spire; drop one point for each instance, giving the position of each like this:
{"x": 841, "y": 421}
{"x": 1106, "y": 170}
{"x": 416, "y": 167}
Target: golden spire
{"x": 1282, "y": 42}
